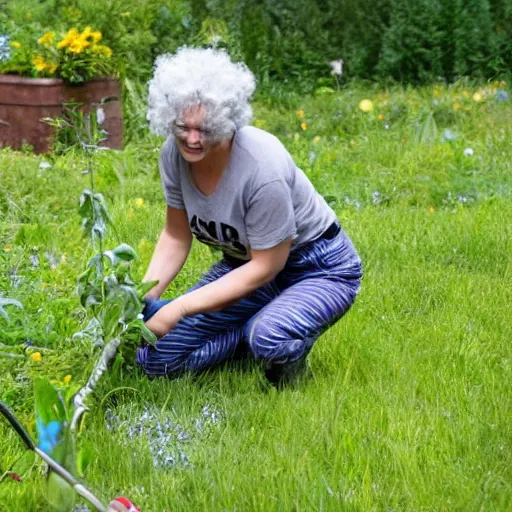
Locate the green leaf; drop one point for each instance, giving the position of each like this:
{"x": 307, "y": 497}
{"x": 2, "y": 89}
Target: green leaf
{"x": 61, "y": 497}
{"x": 84, "y": 458}
{"x": 426, "y": 130}
{"x": 144, "y": 288}
{"x": 125, "y": 252}
{"x": 8, "y": 302}
{"x": 48, "y": 403}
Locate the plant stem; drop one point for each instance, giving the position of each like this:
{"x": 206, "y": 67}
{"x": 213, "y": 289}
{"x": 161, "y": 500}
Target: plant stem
{"x": 107, "y": 355}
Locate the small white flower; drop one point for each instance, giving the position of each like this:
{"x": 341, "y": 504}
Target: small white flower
{"x": 45, "y": 165}
{"x": 100, "y": 116}
{"x": 337, "y": 67}
{"x": 469, "y": 152}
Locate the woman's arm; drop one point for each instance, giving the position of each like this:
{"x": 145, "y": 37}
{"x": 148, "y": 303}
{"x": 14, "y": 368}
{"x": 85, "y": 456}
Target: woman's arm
{"x": 171, "y": 251}
{"x": 233, "y": 286}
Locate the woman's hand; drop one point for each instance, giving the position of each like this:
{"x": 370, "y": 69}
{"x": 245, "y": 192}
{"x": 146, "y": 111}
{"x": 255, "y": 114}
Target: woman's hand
{"x": 166, "y": 318}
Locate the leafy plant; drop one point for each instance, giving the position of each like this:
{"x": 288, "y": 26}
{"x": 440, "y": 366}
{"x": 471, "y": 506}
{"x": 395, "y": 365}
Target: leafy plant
{"x": 73, "y": 56}
{"x": 111, "y": 298}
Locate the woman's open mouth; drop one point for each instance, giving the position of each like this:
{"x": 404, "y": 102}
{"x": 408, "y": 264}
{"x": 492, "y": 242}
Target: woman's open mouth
{"x": 193, "y": 150}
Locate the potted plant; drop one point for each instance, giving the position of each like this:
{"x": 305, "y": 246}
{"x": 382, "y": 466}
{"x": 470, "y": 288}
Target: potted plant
{"x": 38, "y": 75}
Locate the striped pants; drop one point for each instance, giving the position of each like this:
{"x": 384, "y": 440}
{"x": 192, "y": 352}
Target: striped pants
{"x": 277, "y": 323}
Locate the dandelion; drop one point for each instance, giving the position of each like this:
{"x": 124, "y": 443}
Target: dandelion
{"x": 16, "y": 44}
{"x": 139, "y": 202}
{"x": 469, "y": 152}
{"x": 36, "y": 357}
{"x": 67, "y": 379}
{"x": 317, "y": 139}
{"x": 47, "y": 39}
{"x": 126, "y": 14}
{"x": 304, "y": 126}
{"x": 52, "y": 68}
{"x": 336, "y": 67}
{"x": 431, "y": 209}
{"x": 300, "y": 113}
{"x": 366, "y": 105}
{"x": 456, "y": 106}
{"x": 477, "y": 97}
{"x": 381, "y": 117}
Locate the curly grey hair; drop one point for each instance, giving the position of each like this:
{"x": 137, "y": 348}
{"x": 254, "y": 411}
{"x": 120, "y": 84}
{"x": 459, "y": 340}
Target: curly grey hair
{"x": 207, "y": 77}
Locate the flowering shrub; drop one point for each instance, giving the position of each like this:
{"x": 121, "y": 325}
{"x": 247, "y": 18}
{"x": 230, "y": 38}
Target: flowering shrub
{"x": 74, "y": 56}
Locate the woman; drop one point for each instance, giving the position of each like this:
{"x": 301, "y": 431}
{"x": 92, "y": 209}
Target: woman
{"x": 288, "y": 270}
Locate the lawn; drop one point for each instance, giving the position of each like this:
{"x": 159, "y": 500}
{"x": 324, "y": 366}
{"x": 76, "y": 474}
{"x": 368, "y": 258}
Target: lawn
{"x": 409, "y": 405}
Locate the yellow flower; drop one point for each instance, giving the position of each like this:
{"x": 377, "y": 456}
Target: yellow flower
{"x": 477, "y": 97}
{"x": 46, "y": 39}
{"x": 465, "y": 93}
{"x": 366, "y": 105}
{"x": 16, "y": 44}
{"x": 304, "y": 126}
{"x": 7, "y": 248}
{"x": 39, "y": 63}
{"x": 381, "y": 117}
{"x": 317, "y": 139}
{"x": 431, "y": 209}
{"x": 139, "y": 202}
{"x": 456, "y": 106}
{"x": 101, "y": 49}
{"x": 70, "y": 36}
{"x": 78, "y": 45}
{"x": 52, "y": 68}
{"x": 126, "y": 14}
{"x": 36, "y": 357}
{"x": 259, "y": 123}
{"x": 300, "y": 113}
{"x": 67, "y": 379}
{"x": 96, "y": 36}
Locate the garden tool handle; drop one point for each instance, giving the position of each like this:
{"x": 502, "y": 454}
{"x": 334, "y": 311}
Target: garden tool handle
{"x": 16, "y": 425}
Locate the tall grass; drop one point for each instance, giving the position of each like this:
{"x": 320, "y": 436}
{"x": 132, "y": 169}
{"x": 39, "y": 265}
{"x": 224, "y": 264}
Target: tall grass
{"x": 409, "y": 405}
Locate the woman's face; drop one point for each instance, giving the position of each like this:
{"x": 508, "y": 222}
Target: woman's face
{"x": 191, "y": 138}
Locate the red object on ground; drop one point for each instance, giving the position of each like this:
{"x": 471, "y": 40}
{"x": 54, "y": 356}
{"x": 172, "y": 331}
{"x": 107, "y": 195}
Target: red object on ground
{"x": 25, "y": 101}
{"x": 127, "y": 503}
{"x": 14, "y": 476}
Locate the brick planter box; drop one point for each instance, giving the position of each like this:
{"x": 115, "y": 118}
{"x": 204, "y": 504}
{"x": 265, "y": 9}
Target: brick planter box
{"x": 25, "y": 101}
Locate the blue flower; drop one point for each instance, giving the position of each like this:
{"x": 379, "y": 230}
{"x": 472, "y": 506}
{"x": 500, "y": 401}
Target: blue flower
{"x": 501, "y": 95}
{"x": 5, "y": 51}
{"x": 48, "y": 435}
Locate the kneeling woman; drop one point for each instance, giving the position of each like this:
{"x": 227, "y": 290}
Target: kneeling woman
{"x": 288, "y": 270}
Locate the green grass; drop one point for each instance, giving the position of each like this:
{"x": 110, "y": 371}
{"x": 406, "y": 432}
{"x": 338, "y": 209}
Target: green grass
{"x": 409, "y": 406}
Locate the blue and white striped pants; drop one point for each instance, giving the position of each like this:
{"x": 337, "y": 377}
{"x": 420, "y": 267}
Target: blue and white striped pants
{"x": 278, "y": 322}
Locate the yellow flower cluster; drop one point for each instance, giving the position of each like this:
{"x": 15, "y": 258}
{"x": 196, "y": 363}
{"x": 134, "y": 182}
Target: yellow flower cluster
{"x": 47, "y": 39}
{"x": 41, "y": 65}
{"x": 77, "y": 42}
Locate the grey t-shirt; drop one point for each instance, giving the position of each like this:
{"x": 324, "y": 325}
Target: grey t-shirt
{"x": 262, "y": 197}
